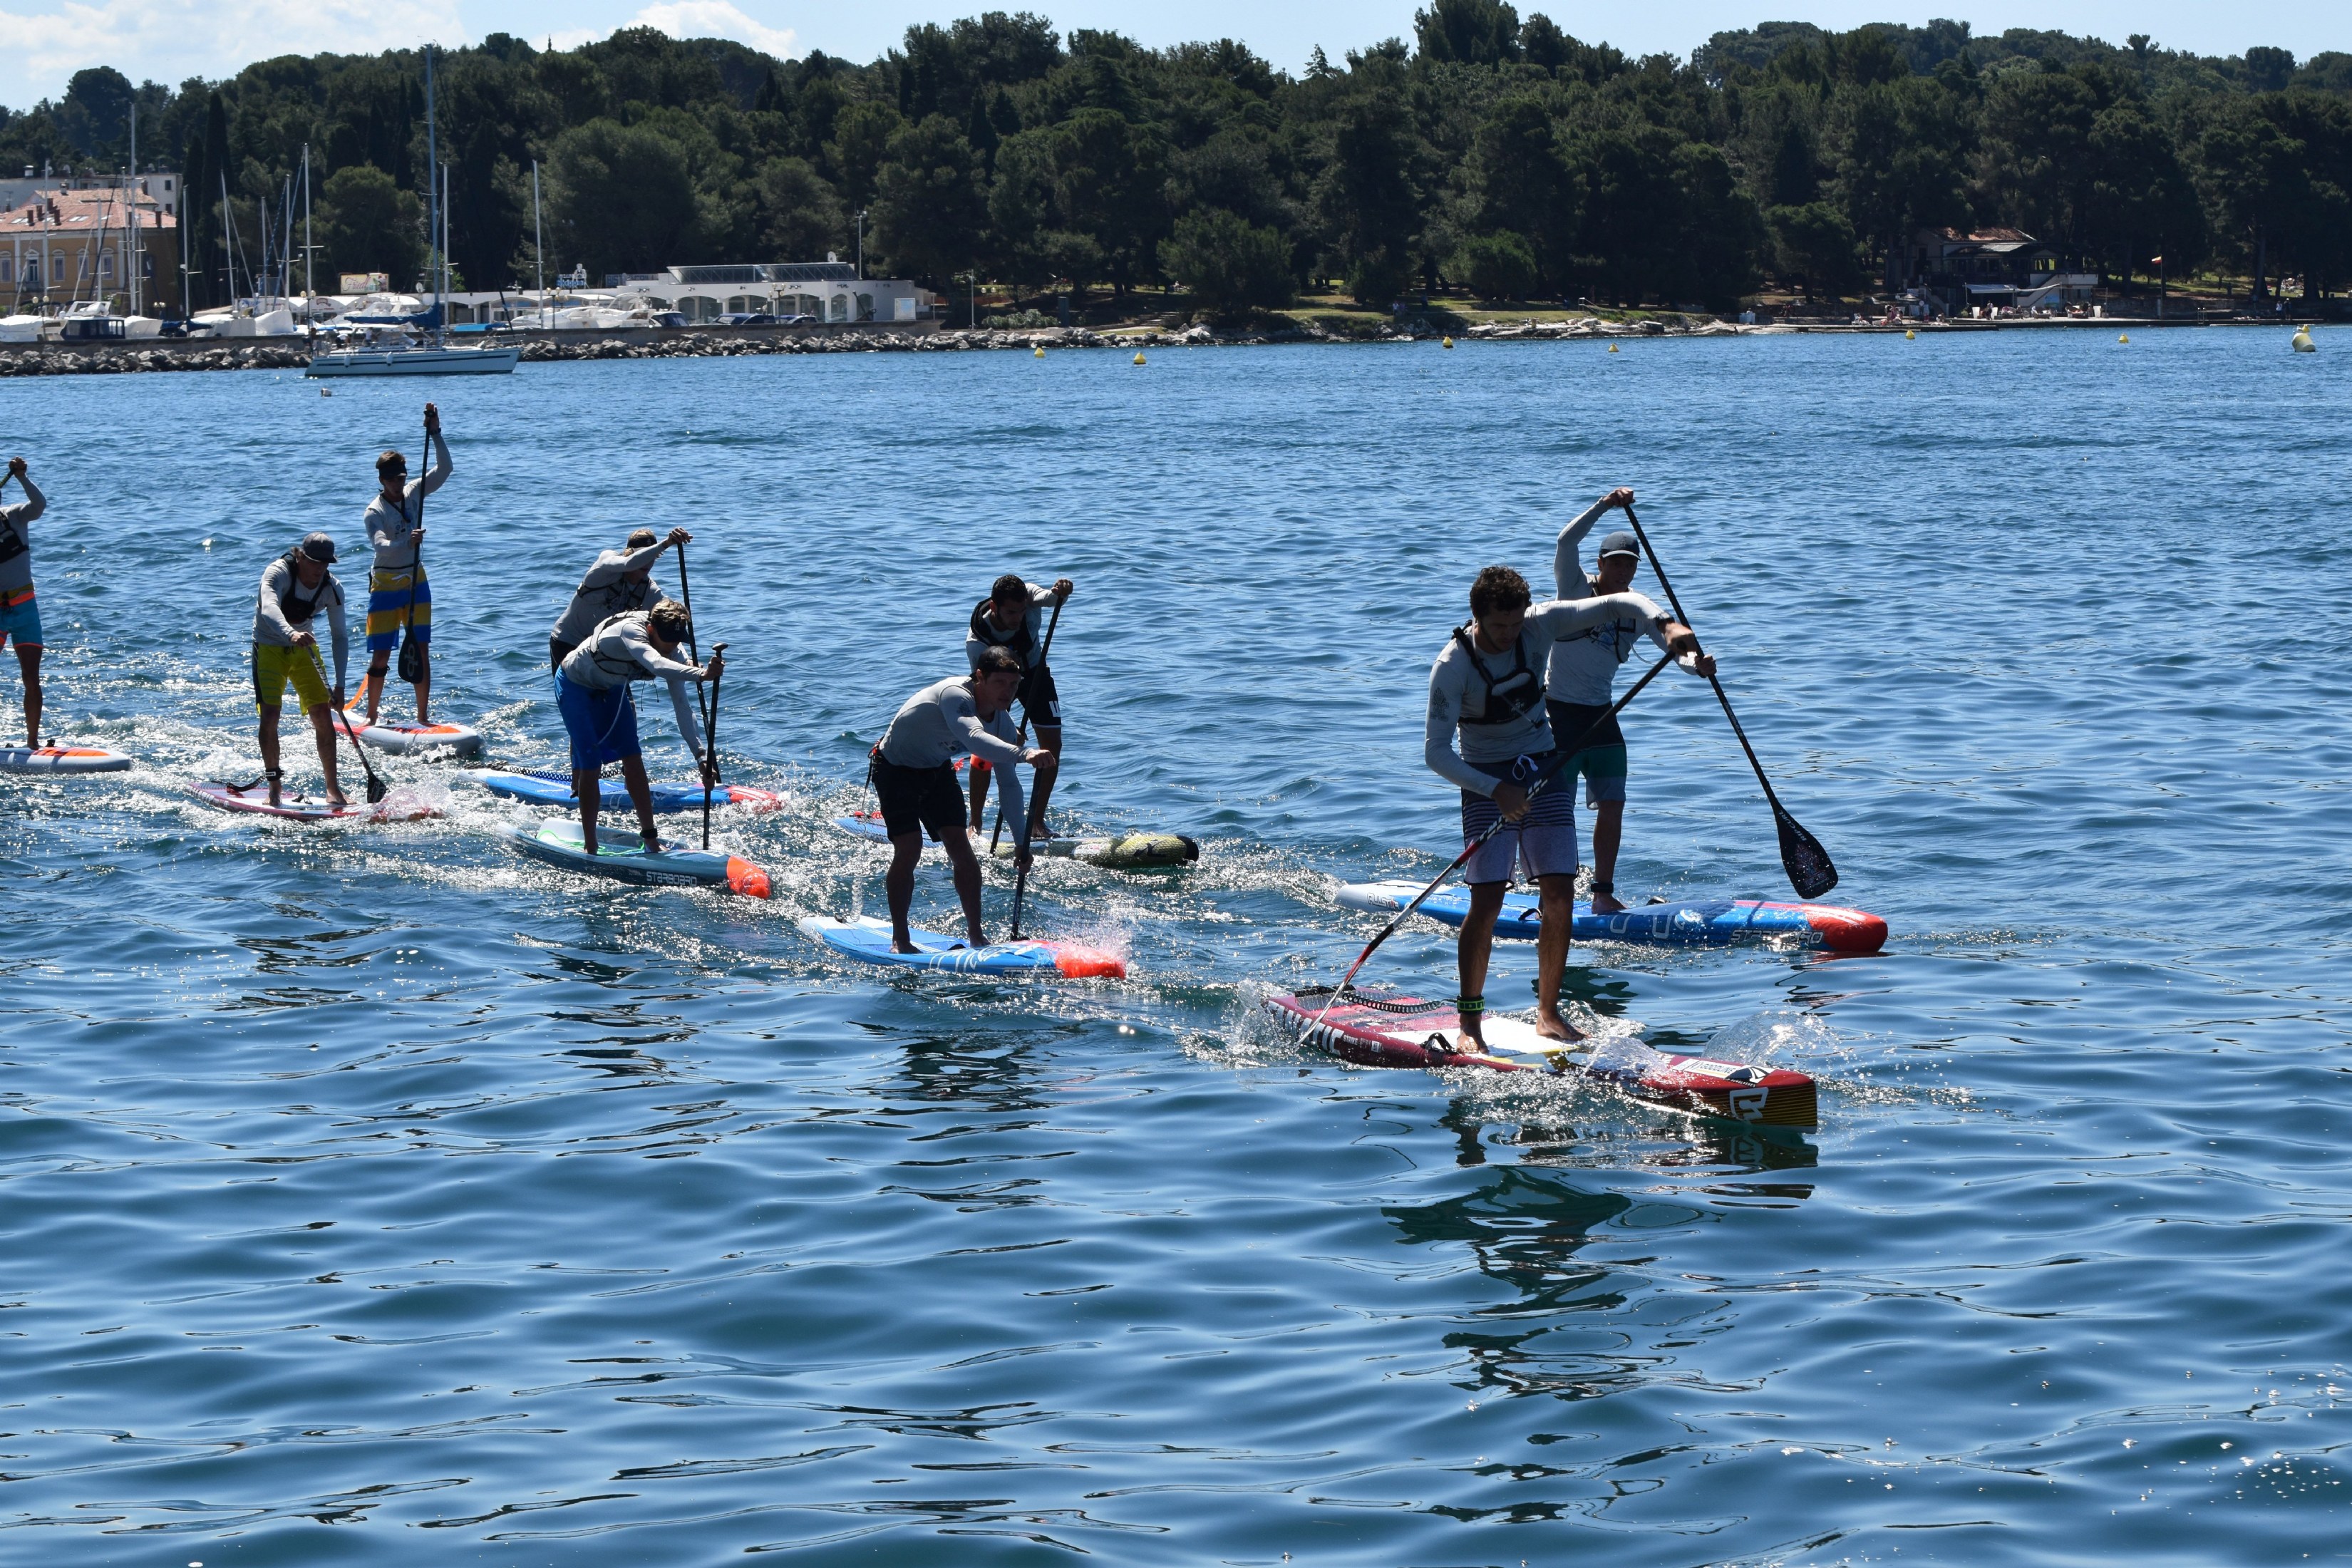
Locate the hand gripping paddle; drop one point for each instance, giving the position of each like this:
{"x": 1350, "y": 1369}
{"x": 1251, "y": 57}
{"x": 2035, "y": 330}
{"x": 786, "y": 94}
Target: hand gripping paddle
{"x": 1801, "y": 855}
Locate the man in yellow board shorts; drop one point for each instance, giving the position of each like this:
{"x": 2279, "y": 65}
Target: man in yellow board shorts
{"x": 294, "y": 588}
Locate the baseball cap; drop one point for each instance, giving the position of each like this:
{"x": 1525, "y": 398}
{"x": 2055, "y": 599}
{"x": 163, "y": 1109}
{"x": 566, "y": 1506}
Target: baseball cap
{"x": 318, "y": 547}
{"x": 1621, "y": 543}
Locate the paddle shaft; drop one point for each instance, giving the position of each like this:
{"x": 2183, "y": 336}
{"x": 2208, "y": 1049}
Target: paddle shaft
{"x": 375, "y": 790}
{"x": 1021, "y": 737}
{"x": 1655, "y": 565}
{"x": 710, "y": 744}
{"x": 1543, "y": 781}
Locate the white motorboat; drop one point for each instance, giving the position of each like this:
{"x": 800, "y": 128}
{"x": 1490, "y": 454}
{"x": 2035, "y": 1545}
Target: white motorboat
{"x": 21, "y": 329}
{"x": 415, "y": 360}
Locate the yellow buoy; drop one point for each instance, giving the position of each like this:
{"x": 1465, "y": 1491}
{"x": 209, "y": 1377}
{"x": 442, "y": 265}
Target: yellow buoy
{"x": 2300, "y": 342}
{"x": 1908, "y": 334}
{"x": 1612, "y": 348}
{"x": 1447, "y": 343}
{"x": 2123, "y": 337}
{"x": 1139, "y": 357}
{"x": 1040, "y": 350}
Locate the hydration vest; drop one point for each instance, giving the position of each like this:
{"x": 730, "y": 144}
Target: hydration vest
{"x": 291, "y": 602}
{"x": 1516, "y": 694}
{"x": 1018, "y": 639}
{"x": 1617, "y": 636}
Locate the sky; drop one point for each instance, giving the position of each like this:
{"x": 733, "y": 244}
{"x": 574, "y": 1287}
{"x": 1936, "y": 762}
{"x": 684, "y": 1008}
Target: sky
{"x": 169, "y": 40}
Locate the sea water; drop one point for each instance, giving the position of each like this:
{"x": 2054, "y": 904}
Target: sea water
{"x": 376, "y": 1195}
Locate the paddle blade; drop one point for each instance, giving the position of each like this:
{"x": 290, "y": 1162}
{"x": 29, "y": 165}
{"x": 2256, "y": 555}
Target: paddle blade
{"x": 375, "y": 790}
{"x": 412, "y": 658}
{"x": 1803, "y": 856}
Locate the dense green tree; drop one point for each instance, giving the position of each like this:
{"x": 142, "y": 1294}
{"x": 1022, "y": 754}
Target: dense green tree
{"x": 1228, "y": 264}
{"x": 929, "y": 205}
{"x": 1500, "y": 266}
{"x": 365, "y": 223}
{"x": 624, "y": 198}
{"x": 861, "y": 140}
{"x": 800, "y": 216}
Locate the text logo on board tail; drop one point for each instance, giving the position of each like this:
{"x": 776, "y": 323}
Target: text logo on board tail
{"x": 1747, "y": 1104}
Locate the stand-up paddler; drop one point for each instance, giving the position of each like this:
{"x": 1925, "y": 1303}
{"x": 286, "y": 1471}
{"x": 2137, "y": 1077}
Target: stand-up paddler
{"x": 1488, "y": 686}
{"x": 399, "y": 596}
{"x": 294, "y": 588}
{"x": 913, "y": 778}
{"x": 20, "y": 614}
{"x": 1013, "y": 618}
{"x": 620, "y": 581}
{"x": 599, "y": 716}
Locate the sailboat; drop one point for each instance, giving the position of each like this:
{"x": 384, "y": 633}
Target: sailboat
{"x": 405, "y": 356}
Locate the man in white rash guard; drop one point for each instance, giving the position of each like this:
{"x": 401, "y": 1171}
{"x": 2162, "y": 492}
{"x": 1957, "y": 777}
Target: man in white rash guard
{"x": 619, "y": 582}
{"x": 294, "y": 588}
{"x": 1487, "y": 685}
{"x": 1014, "y": 616}
{"x": 913, "y": 778}
{"x": 20, "y": 613}
{"x": 1583, "y": 681}
{"x": 591, "y": 692}
{"x": 399, "y": 595}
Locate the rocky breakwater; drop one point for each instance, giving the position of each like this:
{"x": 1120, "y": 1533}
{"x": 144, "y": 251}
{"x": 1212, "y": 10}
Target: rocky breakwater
{"x": 1595, "y": 327}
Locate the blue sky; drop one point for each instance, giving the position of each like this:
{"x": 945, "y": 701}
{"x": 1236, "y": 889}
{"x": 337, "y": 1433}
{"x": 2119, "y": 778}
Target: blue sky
{"x": 49, "y": 40}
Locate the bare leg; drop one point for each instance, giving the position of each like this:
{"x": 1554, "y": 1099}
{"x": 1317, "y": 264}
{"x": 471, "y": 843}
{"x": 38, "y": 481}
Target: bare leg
{"x": 979, "y": 795}
{"x": 898, "y": 884}
{"x": 1608, "y": 829}
{"x": 641, "y": 794}
{"x": 424, "y": 681}
{"x": 1557, "y": 897}
{"x": 1472, "y": 951}
{"x": 967, "y": 884}
{"x": 373, "y": 685}
{"x": 28, "y": 659}
{"x": 322, "y": 726}
{"x": 1049, "y": 740}
{"x": 587, "y": 788}
{"x": 269, "y": 750}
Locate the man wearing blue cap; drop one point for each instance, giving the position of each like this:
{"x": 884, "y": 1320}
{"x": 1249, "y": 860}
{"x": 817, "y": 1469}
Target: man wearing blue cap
{"x": 1581, "y": 682}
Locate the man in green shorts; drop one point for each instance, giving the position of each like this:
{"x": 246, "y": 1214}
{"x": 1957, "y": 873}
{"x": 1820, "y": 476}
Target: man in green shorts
{"x": 1582, "y": 681}
{"x": 294, "y": 588}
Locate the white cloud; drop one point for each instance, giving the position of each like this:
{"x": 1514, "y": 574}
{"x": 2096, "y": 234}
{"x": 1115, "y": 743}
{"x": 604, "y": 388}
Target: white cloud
{"x": 170, "y": 40}
{"x": 716, "y": 19}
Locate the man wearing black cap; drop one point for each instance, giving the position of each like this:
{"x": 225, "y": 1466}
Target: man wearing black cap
{"x": 619, "y": 582}
{"x": 1582, "y": 680}
{"x": 294, "y": 588}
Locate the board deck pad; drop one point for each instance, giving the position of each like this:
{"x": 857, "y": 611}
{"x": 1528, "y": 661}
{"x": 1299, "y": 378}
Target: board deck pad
{"x": 621, "y": 855}
{"x": 1698, "y": 922}
{"x": 555, "y": 789}
{"x": 410, "y": 740}
{"x": 1384, "y": 1028}
{"x": 57, "y": 759}
{"x": 1118, "y": 852}
{"x": 867, "y": 939}
{"x": 295, "y": 806}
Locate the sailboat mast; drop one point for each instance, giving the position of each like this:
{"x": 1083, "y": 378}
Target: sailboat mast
{"x": 433, "y": 188}
{"x": 138, "y": 246}
{"x": 538, "y": 240}
{"x": 307, "y": 249}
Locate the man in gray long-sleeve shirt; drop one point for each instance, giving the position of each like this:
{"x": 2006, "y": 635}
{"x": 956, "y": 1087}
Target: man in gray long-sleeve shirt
{"x": 620, "y": 581}
{"x": 913, "y": 778}
{"x": 400, "y": 600}
{"x": 1487, "y": 683}
{"x": 294, "y": 588}
{"x": 591, "y": 693}
{"x": 20, "y": 616}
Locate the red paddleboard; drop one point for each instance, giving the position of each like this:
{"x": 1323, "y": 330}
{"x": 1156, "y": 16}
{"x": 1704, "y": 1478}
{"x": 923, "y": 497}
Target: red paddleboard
{"x": 1383, "y": 1029}
{"x": 295, "y": 806}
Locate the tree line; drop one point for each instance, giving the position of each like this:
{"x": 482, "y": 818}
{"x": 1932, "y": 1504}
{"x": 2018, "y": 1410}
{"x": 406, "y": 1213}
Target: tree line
{"x": 1487, "y": 152}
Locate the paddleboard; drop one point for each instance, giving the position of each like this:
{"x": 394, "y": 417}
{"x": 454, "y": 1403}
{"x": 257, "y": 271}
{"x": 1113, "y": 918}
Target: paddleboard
{"x": 57, "y": 759}
{"x": 555, "y": 789}
{"x": 410, "y": 740}
{"x": 1121, "y": 852}
{"x": 1384, "y": 1029}
{"x": 295, "y": 806}
{"x": 867, "y": 939}
{"x": 621, "y": 855}
{"x": 1704, "y": 921}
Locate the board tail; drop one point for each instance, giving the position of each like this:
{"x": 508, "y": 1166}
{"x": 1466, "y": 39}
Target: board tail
{"x": 744, "y": 877}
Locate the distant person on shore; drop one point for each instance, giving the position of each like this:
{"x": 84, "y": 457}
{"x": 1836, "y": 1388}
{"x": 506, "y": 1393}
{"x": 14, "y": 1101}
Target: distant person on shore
{"x": 914, "y": 780}
{"x": 600, "y": 714}
{"x": 1487, "y": 685}
{"x": 620, "y": 581}
{"x": 1013, "y": 618}
{"x": 294, "y": 588}
{"x": 1583, "y": 681}
{"x": 394, "y": 526}
{"x": 20, "y": 615}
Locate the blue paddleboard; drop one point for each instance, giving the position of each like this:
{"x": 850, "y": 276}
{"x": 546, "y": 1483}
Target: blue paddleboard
{"x": 867, "y": 939}
{"x": 555, "y": 789}
{"x": 1708, "y": 922}
{"x": 621, "y": 855}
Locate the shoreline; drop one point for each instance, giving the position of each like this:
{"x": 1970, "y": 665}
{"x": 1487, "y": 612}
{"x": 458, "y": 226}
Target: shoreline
{"x": 165, "y": 355}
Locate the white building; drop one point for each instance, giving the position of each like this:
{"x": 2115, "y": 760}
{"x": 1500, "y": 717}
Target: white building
{"x": 161, "y": 189}
{"x": 829, "y": 290}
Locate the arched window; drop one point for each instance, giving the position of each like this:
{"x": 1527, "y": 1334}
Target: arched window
{"x": 7, "y": 269}
{"x": 865, "y": 307}
{"x": 106, "y": 266}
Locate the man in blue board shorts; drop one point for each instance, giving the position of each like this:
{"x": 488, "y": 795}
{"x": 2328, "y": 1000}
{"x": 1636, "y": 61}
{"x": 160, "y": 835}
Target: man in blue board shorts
{"x": 399, "y": 598}
{"x": 1583, "y": 681}
{"x": 20, "y": 614}
{"x": 914, "y": 779}
{"x": 1014, "y": 616}
{"x": 599, "y": 716}
{"x": 1488, "y": 686}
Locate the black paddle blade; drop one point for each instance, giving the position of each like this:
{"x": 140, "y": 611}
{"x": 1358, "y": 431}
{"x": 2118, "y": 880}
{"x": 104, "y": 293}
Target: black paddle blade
{"x": 1803, "y": 856}
{"x": 376, "y": 790}
{"x": 412, "y": 658}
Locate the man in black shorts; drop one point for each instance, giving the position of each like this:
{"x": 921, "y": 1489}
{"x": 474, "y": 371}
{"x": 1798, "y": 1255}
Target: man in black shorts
{"x": 914, "y": 775}
{"x": 1014, "y": 616}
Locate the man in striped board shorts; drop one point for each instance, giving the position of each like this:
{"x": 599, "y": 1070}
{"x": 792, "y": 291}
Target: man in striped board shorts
{"x": 392, "y": 521}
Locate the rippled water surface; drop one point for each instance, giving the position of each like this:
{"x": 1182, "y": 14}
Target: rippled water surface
{"x": 373, "y": 1196}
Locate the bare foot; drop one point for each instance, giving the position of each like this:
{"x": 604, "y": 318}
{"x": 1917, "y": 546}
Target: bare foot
{"x": 1607, "y": 904}
{"x": 901, "y": 944}
{"x": 338, "y": 799}
{"x": 588, "y": 842}
{"x": 1550, "y": 1026}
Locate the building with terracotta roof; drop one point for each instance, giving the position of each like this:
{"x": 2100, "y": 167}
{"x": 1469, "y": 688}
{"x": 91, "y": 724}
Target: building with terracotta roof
{"x": 60, "y": 246}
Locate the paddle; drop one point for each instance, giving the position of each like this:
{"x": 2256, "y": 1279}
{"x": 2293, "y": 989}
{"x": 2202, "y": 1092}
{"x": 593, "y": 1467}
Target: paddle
{"x": 706, "y": 698}
{"x": 1543, "y": 781}
{"x": 1021, "y": 737}
{"x": 1801, "y": 855}
{"x": 375, "y": 786}
{"x": 412, "y": 656}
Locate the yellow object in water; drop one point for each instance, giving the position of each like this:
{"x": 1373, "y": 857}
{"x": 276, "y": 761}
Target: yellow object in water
{"x": 1040, "y": 350}
{"x": 1612, "y": 348}
{"x": 1139, "y": 357}
{"x": 2123, "y": 337}
{"x": 1447, "y": 343}
{"x": 2300, "y": 342}
{"x": 1908, "y": 334}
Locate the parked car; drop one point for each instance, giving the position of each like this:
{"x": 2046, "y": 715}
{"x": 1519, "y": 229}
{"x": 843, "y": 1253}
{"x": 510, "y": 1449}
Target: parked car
{"x": 747, "y": 318}
{"x": 173, "y": 330}
{"x": 797, "y": 321}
